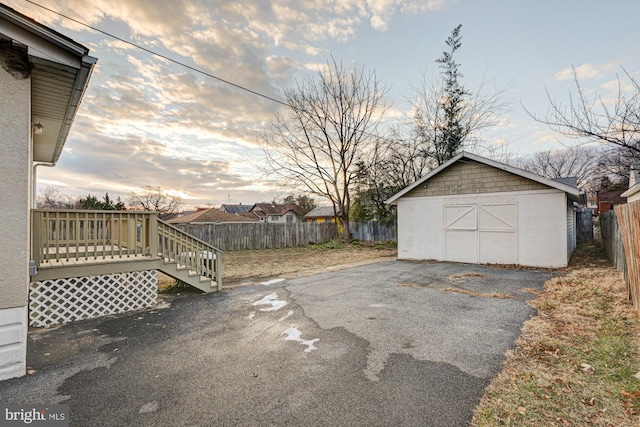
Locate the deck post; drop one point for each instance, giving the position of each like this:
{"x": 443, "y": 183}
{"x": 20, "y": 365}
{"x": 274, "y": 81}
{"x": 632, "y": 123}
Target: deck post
{"x": 152, "y": 235}
{"x": 36, "y": 237}
{"x": 218, "y": 275}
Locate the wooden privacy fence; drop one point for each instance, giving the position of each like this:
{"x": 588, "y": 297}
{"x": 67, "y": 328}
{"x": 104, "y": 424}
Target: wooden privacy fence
{"x": 628, "y": 217}
{"x": 584, "y": 223}
{"x": 373, "y": 231}
{"x": 612, "y": 241}
{"x": 237, "y": 237}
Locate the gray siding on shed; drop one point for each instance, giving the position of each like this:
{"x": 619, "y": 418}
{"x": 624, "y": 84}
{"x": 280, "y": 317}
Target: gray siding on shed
{"x": 470, "y": 177}
{"x": 571, "y": 229}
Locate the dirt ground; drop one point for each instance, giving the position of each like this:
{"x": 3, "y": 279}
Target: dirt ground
{"x": 242, "y": 268}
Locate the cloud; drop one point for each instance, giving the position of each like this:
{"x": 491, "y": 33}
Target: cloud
{"x": 586, "y": 71}
{"x": 146, "y": 121}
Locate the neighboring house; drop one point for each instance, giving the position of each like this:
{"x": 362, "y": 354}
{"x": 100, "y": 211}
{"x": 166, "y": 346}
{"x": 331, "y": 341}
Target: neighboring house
{"x": 608, "y": 199}
{"x": 592, "y": 204}
{"x": 211, "y": 216}
{"x": 276, "y": 213}
{"x": 235, "y": 209}
{"x": 322, "y": 214}
{"x": 476, "y": 210}
{"x": 633, "y": 193}
{"x": 42, "y": 81}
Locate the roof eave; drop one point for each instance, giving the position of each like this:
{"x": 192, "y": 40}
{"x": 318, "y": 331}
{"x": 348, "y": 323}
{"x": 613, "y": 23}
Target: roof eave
{"x": 631, "y": 191}
{"x": 79, "y": 88}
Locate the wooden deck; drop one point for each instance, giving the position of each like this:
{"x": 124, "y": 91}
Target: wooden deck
{"x": 78, "y": 243}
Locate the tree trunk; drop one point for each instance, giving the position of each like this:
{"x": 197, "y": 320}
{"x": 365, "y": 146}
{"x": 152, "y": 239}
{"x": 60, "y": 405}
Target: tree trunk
{"x": 346, "y": 232}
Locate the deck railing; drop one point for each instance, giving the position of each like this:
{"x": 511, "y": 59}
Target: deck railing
{"x": 60, "y": 237}
{"x": 177, "y": 246}
{"x": 69, "y": 235}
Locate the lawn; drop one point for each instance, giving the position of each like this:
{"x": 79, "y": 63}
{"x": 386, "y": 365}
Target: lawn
{"x": 576, "y": 362}
{"x": 250, "y": 267}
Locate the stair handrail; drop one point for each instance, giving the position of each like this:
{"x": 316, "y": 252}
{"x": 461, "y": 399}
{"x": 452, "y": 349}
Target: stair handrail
{"x": 176, "y": 245}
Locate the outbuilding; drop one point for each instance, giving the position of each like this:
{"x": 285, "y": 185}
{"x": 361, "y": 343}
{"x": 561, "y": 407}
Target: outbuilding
{"x": 477, "y": 210}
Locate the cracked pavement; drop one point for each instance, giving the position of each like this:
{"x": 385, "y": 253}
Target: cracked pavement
{"x": 375, "y": 345}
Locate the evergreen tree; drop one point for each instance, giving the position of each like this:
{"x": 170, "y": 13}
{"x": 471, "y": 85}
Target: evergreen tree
{"x": 450, "y": 135}
{"x": 93, "y": 203}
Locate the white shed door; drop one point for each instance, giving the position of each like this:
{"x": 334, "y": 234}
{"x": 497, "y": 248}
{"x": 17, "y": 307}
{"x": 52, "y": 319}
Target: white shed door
{"x": 461, "y": 233}
{"x": 481, "y": 233}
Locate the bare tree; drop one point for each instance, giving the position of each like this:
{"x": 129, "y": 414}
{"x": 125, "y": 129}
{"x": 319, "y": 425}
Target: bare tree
{"x": 615, "y": 123}
{"x": 315, "y": 143}
{"x": 51, "y": 198}
{"x": 615, "y": 163}
{"x": 579, "y": 162}
{"x": 157, "y": 200}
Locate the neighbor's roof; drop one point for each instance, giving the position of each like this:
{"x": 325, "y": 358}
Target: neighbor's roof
{"x": 321, "y": 212}
{"x": 211, "y": 215}
{"x": 573, "y": 192}
{"x": 236, "y": 208}
{"x": 59, "y": 78}
{"x": 275, "y": 209}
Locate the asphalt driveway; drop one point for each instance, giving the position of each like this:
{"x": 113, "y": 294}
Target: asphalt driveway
{"x": 377, "y": 345}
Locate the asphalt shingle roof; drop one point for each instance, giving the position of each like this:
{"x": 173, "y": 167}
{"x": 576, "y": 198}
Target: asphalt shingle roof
{"x": 211, "y": 215}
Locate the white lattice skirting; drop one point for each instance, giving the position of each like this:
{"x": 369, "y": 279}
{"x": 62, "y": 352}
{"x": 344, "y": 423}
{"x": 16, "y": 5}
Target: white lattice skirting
{"x": 53, "y": 302}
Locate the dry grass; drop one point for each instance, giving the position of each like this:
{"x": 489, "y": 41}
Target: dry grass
{"x": 575, "y": 362}
{"x": 249, "y": 267}
{"x": 477, "y": 294}
{"x": 460, "y": 277}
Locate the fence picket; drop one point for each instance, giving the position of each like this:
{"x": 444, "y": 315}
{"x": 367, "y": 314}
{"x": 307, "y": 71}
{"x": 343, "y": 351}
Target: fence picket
{"x": 621, "y": 241}
{"x": 252, "y": 236}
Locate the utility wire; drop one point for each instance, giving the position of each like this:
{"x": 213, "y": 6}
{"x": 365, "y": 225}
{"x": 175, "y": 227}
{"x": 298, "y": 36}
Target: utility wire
{"x": 182, "y": 64}
{"x": 162, "y": 56}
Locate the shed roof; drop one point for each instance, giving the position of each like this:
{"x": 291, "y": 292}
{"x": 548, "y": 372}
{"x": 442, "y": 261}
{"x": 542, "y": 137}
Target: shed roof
{"x": 571, "y": 191}
{"x": 321, "y": 212}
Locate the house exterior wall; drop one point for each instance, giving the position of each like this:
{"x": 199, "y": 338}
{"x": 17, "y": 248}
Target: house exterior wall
{"x": 634, "y": 197}
{"x": 15, "y": 191}
{"x": 540, "y": 228}
{"x": 321, "y": 219}
{"x": 420, "y": 228}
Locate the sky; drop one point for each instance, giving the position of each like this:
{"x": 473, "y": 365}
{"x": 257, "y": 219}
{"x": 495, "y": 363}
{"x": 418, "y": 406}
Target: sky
{"x": 147, "y": 122}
